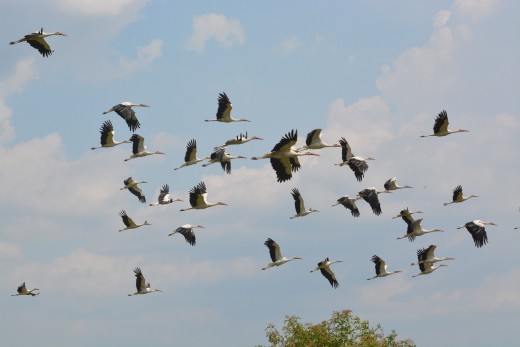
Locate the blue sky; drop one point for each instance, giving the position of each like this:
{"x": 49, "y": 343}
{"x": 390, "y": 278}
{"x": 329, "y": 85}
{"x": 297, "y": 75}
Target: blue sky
{"x": 374, "y": 72}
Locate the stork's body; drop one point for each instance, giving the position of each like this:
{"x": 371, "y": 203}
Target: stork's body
{"x": 406, "y": 215}
{"x": 220, "y": 156}
{"x": 458, "y": 196}
{"x": 131, "y": 185}
{"x": 240, "y": 140}
{"x": 130, "y": 224}
{"x": 141, "y": 285}
{"x": 324, "y": 267}
{"x": 477, "y": 229}
{"x": 428, "y": 255}
{"x": 187, "y": 231}
{"x": 381, "y": 268}
{"x": 275, "y": 254}
{"x": 22, "y": 290}
{"x": 349, "y": 203}
{"x": 37, "y": 40}
{"x": 164, "y": 197}
{"x": 440, "y": 127}
{"x": 370, "y": 195}
{"x": 391, "y": 184}
{"x": 299, "y": 205}
{"x": 415, "y": 229}
{"x": 224, "y": 111}
{"x": 107, "y": 136}
{"x": 425, "y": 267}
{"x": 357, "y": 164}
{"x": 190, "y": 158}
{"x": 139, "y": 149}
{"x": 125, "y": 111}
{"x": 313, "y": 141}
{"x": 198, "y": 197}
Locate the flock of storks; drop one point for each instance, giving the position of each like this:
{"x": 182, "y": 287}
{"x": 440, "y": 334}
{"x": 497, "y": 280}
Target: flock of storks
{"x": 284, "y": 159}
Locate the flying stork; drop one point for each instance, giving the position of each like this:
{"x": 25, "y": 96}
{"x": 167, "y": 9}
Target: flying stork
{"x": 138, "y": 148}
{"x": 415, "y": 229}
{"x": 125, "y": 111}
{"x": 299, "y": 205}
{"x": 240, "y": 139}
{"x": 107, "y": 136}
{"x": 370, "y": 196}
{"x": 313, "y": 141}
{"x": 425, "y": 266}
{"x": 324, "y": 267}
{"x": 381, "y": 268}
{"x": 349, "y": 203}
{"x": 440, "y": 128}
{"x": 190, "y": 158}
{"x": 22, "y": 290}
{"x": 129, "y": 222}
{"x": 284, "y": 160}
{"x": 37, "y": 40}
{"x": 164, "y": 197}
{"x": 356, "y": 163}
{"x": 477, "y": 229}
{"x": 406, "y": 215}
{"x": 224, "y": 111}
{"x": 198, "y": 196}
{"x": 428, "y": 255}
{"x": 391, "y": 184}
{"x": 276, "y": 255}
{"x": 131, "y": 185}
{"x": 141, "y": 285}
{"x": 219, "y": 155}
{"x": 458, "y": 196}
{"x": 187, "y": 231}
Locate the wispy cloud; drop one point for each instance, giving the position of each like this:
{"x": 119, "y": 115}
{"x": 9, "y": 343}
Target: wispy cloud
{"x": 111, "y": 8}
{"x": 290, "y": 45}
{"x": 477, "y": 9}
{"x": 146, "y": 56}
{"x": 226, "y": 31}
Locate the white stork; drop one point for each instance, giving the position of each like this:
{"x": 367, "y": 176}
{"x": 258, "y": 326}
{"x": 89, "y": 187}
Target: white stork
{"x": 299, "y": 205}
{"x": 381, "y": 268}
{"x": 370, "y": 196}
{"x": 284, "y": 160}
{"x": 415, "y": 229}
{"x": 391, "y": 184}
{"x": 198, "y": 197}
{"x": 356, "y": 163}
{"x": 37, "y": 40}
{"x": 186, "y": 230}
{"x": 276, "y": 255}
{"x": 190, "y": 158}
{"x": 131, "y": 185}
{"x": 425, "y": 266}
{"x": 224, "y": 111}
{"x": 349, "y": 203}
{"x": 164, "y": 197}
{"x": 125, "y": 111}
{"x": 141, "y": 285}
{"x": 107, "y": 136}
{"x": 139, "y": 149}
{"x": 406, "y": 215}
{"x": 458, "y": 196}
{"x": 130, "y": 224}
{"x": 240, "y": 140}
{"x": 219, "y": 155}
{"x": 428, "y": 255}
{"x": 477, "y": 229}
{"x": 324, "y": 267}
{"x": 440, "y": 128}
{"x": 22, "y": 290}
{"x": 313, "y": 141}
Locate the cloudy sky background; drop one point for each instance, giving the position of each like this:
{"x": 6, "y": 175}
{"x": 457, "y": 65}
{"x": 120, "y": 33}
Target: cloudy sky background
{"x": 375, "y": 72}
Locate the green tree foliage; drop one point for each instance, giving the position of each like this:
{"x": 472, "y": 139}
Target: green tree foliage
{"x": 343, "y": 329}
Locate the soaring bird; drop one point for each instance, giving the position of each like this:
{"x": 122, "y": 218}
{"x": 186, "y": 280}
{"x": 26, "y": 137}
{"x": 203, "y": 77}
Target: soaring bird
{"x": 356, "y": 163}
{"x": 300, "y": 205}
{"x": 22, "y": 290}
{"x": 428, "y": 255}
{"x": 107, "y": 136}
{"x": 220, "y": 156}
{"x": 324, "y": 267}
{"x": 224, "y": 111}
{"x": 37, "y": 40}
{"x": 187, "y": 231}
{"x": 406, "y": 215}
{"x": 349, "y": 203}
{"x": 131, "y": 185}
{"x": 198, "y": 196}
{"x": 313, "y": 141}
{"x": 138, "y": 148}
{"x": 129, "y": 222}
{"x": 477, "y": 229}
{"x": 370, "y": 196}
{"x": 276, "y": 255}
{"x": 141, "y": 285}
{"x": 125, "y": 111}
{"x": 284, "y": 160}
{"x": 164, "y": 197}
{"x": 191, "y": 155}
{"x": 240, "y": 139}
{"x": 381, "y": 268}
{"x": 391, "y": 184}
{"x": 458, "y": 196}
{"x": 440, "y": 128}
{"x": 425, "y": 266}
{"x": 415, "y": 229}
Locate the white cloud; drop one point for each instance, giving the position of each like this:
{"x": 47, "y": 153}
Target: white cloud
{"x": 226, "y": 31}
{"x": 145, "y": 57}
{"x": 477, "y": 9}
{"x": 8, "y": 250}
{"x": 112, "y": 8}
{"x": 291, "y": 44}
